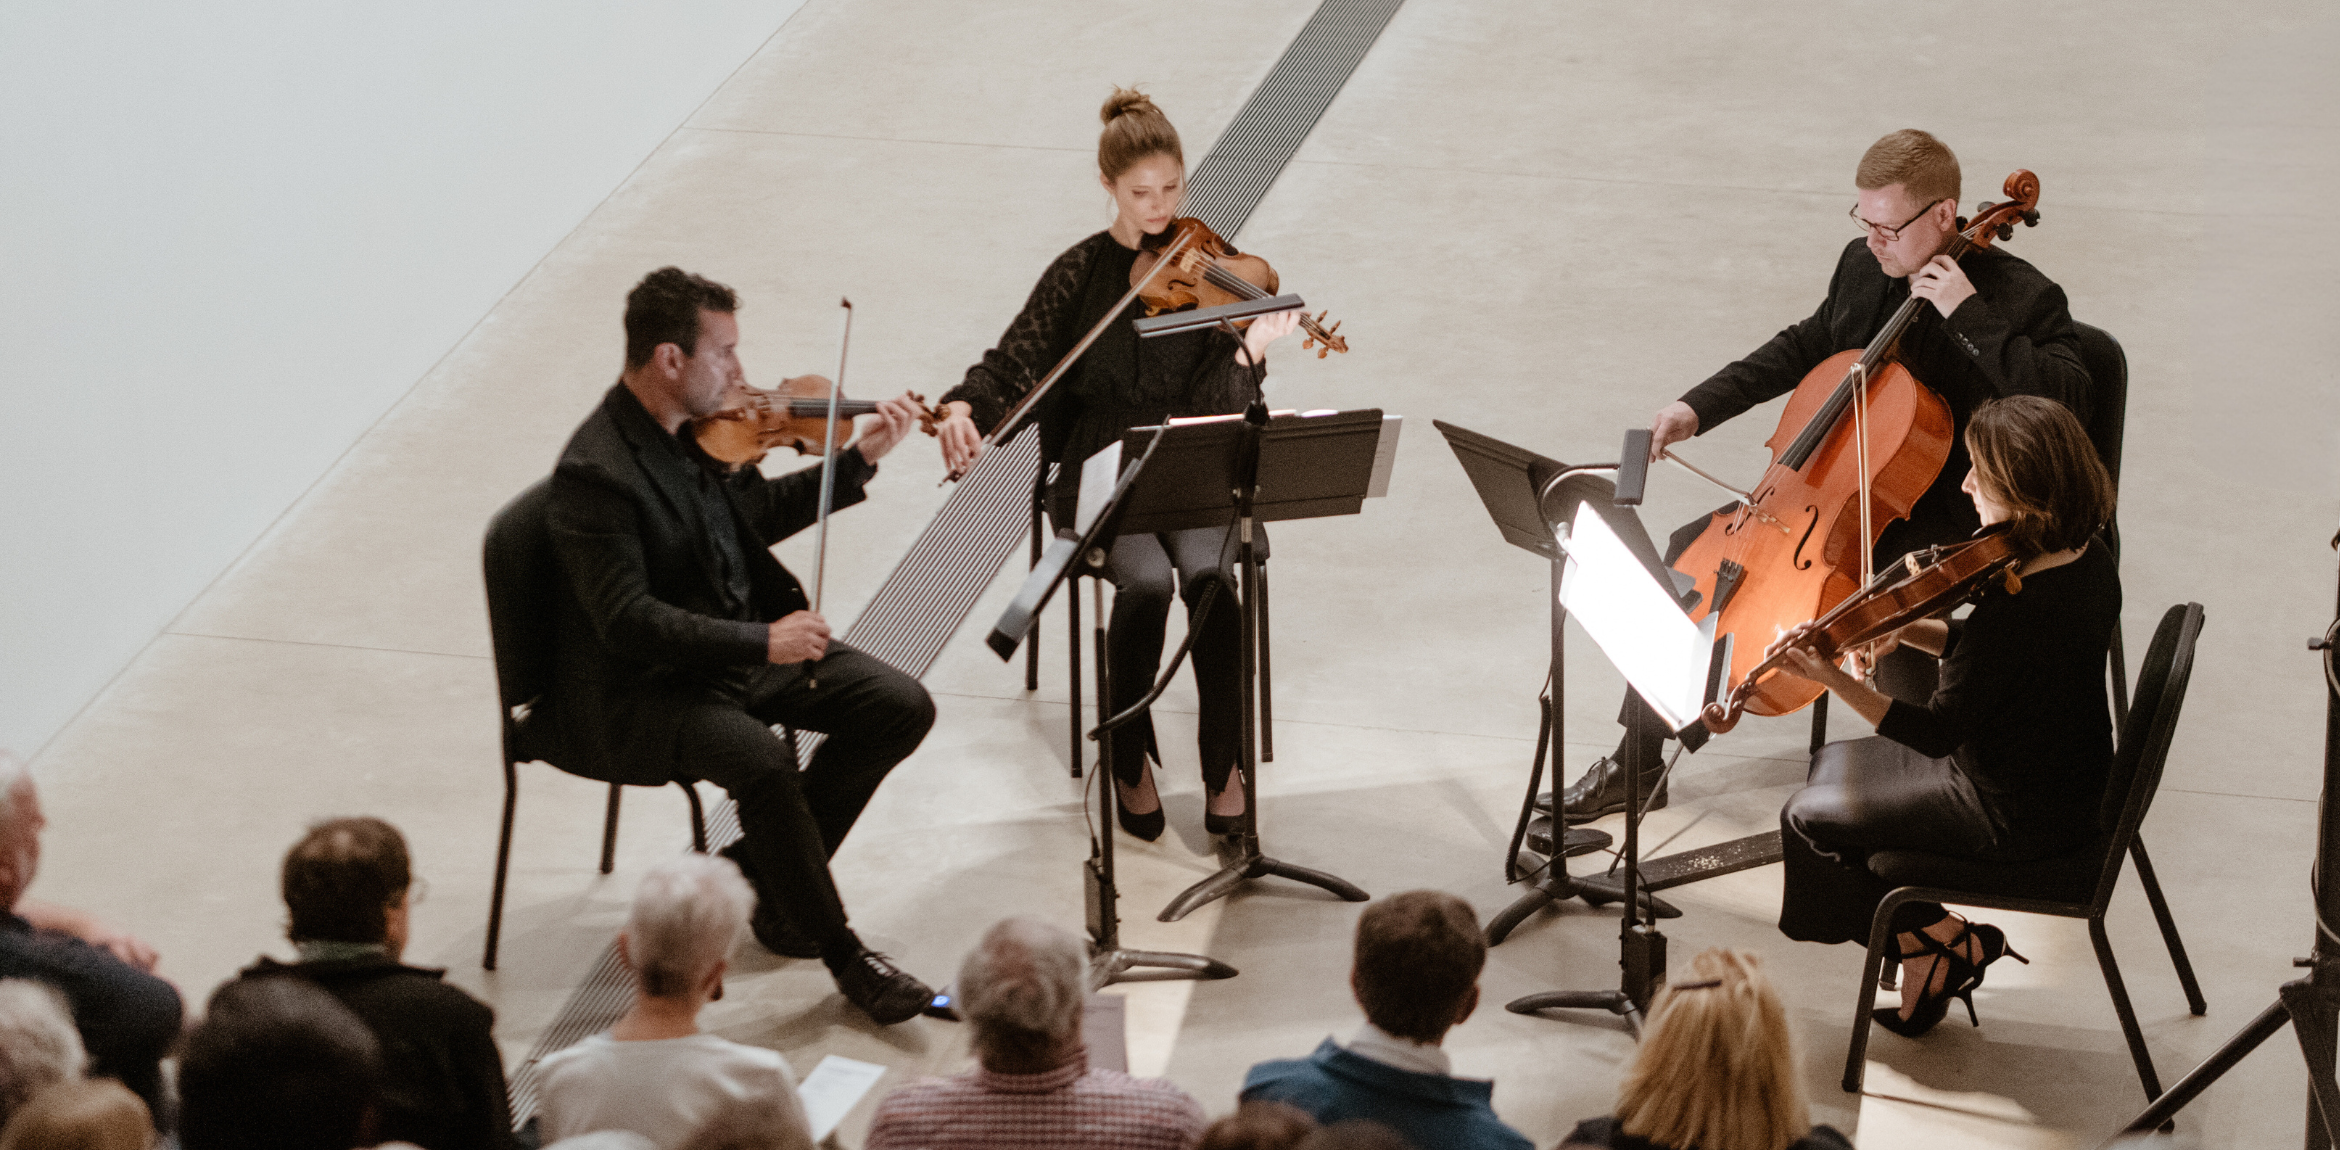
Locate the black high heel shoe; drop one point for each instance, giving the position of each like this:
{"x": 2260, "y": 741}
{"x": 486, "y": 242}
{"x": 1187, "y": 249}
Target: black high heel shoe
{"x": 1959, "y": 984}
{"x": 1994, "y": 944}
{"x": 1146, "y": 827}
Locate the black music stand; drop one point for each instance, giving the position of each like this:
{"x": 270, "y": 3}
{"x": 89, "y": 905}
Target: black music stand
{"x": 1067, "y": 558}
{"x": 1632, "y": 606}
{"x": 1244, "y": 472}
{"x": 1525, "y": 493}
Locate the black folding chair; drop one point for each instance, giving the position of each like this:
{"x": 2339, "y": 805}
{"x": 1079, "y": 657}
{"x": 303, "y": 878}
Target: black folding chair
{"x": 2079, "y": 886}
{"x": 2108, "y": 418}
{"x": 525, "y": 595}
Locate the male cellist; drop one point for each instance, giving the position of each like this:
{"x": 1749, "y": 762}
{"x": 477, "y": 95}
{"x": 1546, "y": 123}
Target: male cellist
{"x": 687, "y": 640}
{"x": 1997, "y": 327}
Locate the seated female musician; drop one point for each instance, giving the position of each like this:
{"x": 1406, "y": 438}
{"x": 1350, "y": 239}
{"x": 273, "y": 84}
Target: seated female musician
{"x": 1119, "y": 383}
{"x": 2008, "y": 760}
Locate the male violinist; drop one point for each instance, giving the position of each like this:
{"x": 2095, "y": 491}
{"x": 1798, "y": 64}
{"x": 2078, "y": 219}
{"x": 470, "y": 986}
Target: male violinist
{"x": 1996, "y": 327}
{"x": 683, "y": 640}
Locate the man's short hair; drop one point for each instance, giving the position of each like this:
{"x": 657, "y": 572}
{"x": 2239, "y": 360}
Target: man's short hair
{"x": 665, "y": 307}
{"x": 686, "y": 916}
{"x": 277, "y": 1063}
{"x": 1924, "y": 167}
{"x": 39, "y": 1046}
{"x": 342, "y": 878}
{"x": 1418, "y": 956}
{"x": 1023, "y": 986}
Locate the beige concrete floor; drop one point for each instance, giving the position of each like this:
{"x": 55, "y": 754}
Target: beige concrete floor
{"x": 1539, "y": 220}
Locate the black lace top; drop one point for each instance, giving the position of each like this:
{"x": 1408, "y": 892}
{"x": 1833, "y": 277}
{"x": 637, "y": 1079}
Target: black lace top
{"x": 1121, "y": 382}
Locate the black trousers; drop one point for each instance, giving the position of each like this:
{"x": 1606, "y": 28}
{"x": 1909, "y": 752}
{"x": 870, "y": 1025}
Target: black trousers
{"x": 1864, "y": 796}
{"x": 1906, "y": 673}
{"x": 1141, "y": 568}
{"x": 793, "y": 821}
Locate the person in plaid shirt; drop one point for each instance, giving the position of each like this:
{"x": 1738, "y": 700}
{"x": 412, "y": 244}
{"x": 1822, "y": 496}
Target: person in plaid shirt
{"x": 1021, "y": 991}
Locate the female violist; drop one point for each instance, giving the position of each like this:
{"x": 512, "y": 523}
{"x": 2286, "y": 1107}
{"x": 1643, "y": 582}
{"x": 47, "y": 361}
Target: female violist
{"x": 2007, "y": 762}
{"x": 1121, "y": 383}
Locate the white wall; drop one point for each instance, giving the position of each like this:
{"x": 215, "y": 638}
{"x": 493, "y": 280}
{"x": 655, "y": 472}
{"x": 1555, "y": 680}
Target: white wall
{"x": 232, "y": 234}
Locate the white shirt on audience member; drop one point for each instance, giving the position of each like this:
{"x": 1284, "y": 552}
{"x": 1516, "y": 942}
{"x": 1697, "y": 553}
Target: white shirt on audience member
{"x": 1388, "y": 1049}
{"x": 661, "y": 1088}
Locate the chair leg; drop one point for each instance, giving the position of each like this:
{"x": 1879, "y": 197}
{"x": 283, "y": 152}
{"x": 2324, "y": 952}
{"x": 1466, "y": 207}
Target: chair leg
{"x": 2120, "y": 996}
{"x": 698, "y": 817}
{"x": 1032, "y": 639}
{"x": 2120, "y": 683}
{"x": 1856, "y": 1056}
{"x": 609, "y": 830}
{"x": 495, "y": 929}
{"x": 2169, "y": 931}
{"x": 1819, "y": 723}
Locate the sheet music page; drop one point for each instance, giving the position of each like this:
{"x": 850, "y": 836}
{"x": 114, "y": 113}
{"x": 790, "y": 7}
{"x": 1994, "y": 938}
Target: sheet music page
{"x": 1098, "y": 475}
{"x": 830, "y": 1091}
{"x": 1638, "y": 626}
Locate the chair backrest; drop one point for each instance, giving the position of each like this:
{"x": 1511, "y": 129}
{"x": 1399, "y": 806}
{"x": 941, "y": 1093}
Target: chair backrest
{"x": 523, "y": 599}
{"x": 2145, "y": 737}
{"x": 2108, "y": 393}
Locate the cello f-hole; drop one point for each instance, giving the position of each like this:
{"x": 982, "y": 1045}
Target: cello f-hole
{"x": 1803, "y": 564}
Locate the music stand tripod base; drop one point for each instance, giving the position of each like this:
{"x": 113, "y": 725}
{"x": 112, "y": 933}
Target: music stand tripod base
{"x": 1242, "y": 862}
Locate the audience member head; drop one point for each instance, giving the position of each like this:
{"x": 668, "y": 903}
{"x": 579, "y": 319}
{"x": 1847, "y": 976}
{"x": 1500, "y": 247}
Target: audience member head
{"x": 277, "y": 1064}
{"x": 756, "y": 1122}
{"x": 687, "y": 914}
{"x": 2036, "y": 472}
{"x": 1355, "y": 1134}
{"x": 347, "y": 880}
{"x": 20, "y": 830}
{"x": 1022, "y": 989}
{"x": 99, "y": 1115}
{"x": 39, "y": 1046}
{"x": 1715, "y": 1070}
{"x": 1259, "y": 1126}
{"x": 1417, "y": 964}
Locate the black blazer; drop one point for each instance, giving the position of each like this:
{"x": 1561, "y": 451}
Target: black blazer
{"x": 647, "y": 630}
{"x": 2013, "y": 336}
{"x": 443, "y": 1085}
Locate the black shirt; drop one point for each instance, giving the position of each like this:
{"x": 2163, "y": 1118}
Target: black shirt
{"x": 2021, "y": 705}
{"x": 126, "y": 1016}
{"x": 444, "y": 1077}
{"x": 1120, "y": 382}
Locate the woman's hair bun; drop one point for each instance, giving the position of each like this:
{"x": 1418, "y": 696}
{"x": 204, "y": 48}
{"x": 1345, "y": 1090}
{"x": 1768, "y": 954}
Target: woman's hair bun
{"x": 1125, "y": 102}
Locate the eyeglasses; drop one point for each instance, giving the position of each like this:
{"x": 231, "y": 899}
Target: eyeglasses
{"x": 1889, "y": 234}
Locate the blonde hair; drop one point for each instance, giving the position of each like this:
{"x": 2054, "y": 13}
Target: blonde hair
{"x": 1716, "y": 1070}
{"x": 1924, "y": 167}
{"x": 101, "y": 1114}
{"x": 1134, "y": 129}
{"x": 685, "y": 918}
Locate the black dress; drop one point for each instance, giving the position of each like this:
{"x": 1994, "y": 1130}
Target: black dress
{"x": 1122, "y": 382}
{"x": 2006, "y": 763}
{"x": 1606, "y": 1132}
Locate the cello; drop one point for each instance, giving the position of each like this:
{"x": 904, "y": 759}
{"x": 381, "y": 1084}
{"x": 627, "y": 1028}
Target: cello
{"x": 1861, "y": 439}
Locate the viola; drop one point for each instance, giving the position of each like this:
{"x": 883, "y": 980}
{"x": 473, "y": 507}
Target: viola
{"x": 795, "y": 414}
{"x": 1800, "y": 542}
{"x": 1206, "y": 271}
{"x": 1925, "y": 584}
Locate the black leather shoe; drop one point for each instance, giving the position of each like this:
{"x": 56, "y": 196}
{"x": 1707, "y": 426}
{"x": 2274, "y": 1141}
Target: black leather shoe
{"x": 1601, "y": 791}
{"x": 1147, "y": 826}
{"x": 882, "y": 990}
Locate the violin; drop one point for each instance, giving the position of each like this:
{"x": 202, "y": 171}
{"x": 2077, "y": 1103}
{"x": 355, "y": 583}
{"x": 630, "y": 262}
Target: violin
{"x": 1923, "y": 585}
{"x": 1206, "y": 271}
{"x": 755, "y": 420}
{"x": 1861, "y": 440}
